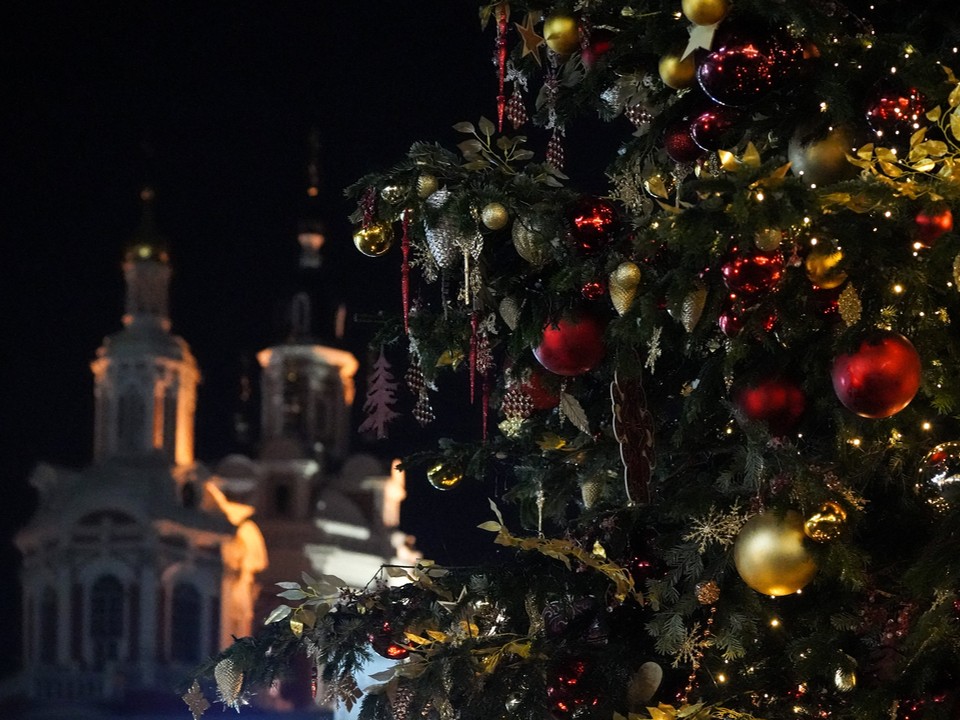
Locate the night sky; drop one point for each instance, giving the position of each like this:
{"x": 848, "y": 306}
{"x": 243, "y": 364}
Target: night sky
{"x": 211, "y": 103}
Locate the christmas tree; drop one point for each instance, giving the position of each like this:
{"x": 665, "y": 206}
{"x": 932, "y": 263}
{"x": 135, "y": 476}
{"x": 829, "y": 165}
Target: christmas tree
{"x": 722, "y": 394}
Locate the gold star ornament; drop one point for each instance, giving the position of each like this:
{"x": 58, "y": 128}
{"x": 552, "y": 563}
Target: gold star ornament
{"x": 531, "y": 41}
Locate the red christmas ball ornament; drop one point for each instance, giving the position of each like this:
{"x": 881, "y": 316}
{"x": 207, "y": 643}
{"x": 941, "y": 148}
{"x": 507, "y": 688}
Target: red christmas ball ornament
{"x": 571, "y": 346}
{"x": 931, "y": 223}
{"x": 776, "y": 402}
{"x": 593, "y": 290}
{"x": 540, "y": 394}
{"x": 712, "y": 128}
{"x": 894, "y": 113}
{"x": 601, "y": 42}
{"x": 737, "y": 74}
{"x": 679, "y": 144}
{"x": 736, "y": 312}
{"x": 384, "y": 642}
{"x": 752, "y": 272}
{"x": 569, "y": 688}
{"x": 593, "y": 222}
{"x": 880, "y": 378}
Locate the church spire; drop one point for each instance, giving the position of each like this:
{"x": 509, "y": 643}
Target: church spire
{"x": 145, "y": 377}
{"x": 147, "y": 271}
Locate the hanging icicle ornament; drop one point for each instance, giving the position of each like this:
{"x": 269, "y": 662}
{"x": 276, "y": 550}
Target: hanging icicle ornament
{"x": 405, "y": 271}
{"x": 503, "y": 17}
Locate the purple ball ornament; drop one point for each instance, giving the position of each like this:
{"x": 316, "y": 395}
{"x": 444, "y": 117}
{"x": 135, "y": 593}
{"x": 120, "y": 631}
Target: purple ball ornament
{"x": 711, "y": 129}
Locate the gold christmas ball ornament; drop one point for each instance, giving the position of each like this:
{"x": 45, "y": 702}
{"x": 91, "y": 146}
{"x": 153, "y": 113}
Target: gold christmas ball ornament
{"x": 530, "y": 240}
{"x": 827, "y": 524}
{"x": 845, "y": 680}
{"x": 374, "y": 240}
{"x": 623, "y": 284}
{"x": 427, "y": 185}
{"x": 770, "y": 554}
{"x": 678, "y": 73}
{"x": 821, "y": 265}
{"x": 393, "y": 194}
{"x": 768, "y": 239}
{"x": 495, "y": 216}
{"x": 561, "y": 33}
{"x": 444, "y": 476}
{"x": 705, "y": 12}
{"x": 823, "y": 160}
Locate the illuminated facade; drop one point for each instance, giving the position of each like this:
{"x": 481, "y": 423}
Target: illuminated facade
{"x": 146, "y": 562}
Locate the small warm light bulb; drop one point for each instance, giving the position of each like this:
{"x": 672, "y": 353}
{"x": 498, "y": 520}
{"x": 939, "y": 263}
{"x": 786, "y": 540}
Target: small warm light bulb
{"x": 898, "y": 288}
{"x": 760, "y": 195}
{"x": 721, "y": 678}
{"x": 855, "y": 442}
{"x": 775, "y": 623}
{"x": 893, "y": 71}
{"x": 887, "y": 214}
{"x": 918, "y": 246}
{"x": 926, "y": 425}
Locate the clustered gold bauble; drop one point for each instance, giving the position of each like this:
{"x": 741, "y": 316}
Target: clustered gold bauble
{"x": 827, "y": 524}
{"x": 444, "y": 476}
{"x": 708, "y": 592}
{"x": 822, "y": 268}
{"x": 561, "y": 33}
{"x": 427, "y": 185}
{"x": 771, "y": 556}
{"x": 705, "y": 12}
{"x": 623, "y": 284}
{"x": 374, "y": 240}
{"x": 495, "y": 216}
{"x": 678, "y": 73}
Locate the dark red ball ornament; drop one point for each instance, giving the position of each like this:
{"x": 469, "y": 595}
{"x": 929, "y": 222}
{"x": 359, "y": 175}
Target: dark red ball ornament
{"x": 571, "y": 346}
{"x": 752, "y": 272}
{"x": 593, "y": 222}
{"x": 880, "y": 378}
{"x": 540, "y": 394}
{"x": 737, "y": 74}
{"x": 736, "y": 312}
{"x": 679, "y": 144}
{"x": 711, "y": 129}
{"x": 569, "y": 688}
{"x": 894, "y": 113}
{"x": 384, "y": 642}
{"x": 593, "y": 290}
{"x": 601, "y": 42}
{"x": 776, "y": 402}
{"x": 931, "y": 223}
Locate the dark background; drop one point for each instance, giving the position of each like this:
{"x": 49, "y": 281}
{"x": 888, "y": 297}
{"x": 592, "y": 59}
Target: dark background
{"x": 212, "y": 104}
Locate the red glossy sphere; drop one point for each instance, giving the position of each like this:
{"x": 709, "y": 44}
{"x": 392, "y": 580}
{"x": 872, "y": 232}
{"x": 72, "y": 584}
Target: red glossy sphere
{"x": 571, "y": 346}
{"x": 593, "y": 221}
{"x": 894, "y": 113}
{"x": 880, "y": 378}
{"x": 383, "y": 642}
{"x": 711, "y": 128}
{"x": 678, "y": 142}
{"x": 752, "y": 272}
{"x": 778, "y": 403}
{"x": 737, "y": 74}
{"x": 569, "y": 690}
{"x": 932, "y": 223}
{"x": 542, "y": 396}
{"x": 593, "y": 290}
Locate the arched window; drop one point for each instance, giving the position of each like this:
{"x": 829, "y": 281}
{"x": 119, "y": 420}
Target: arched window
{"x": 106, "y": 618}
{"x": 49, "y": 626}
{"x": 185, "y": 635}
{"x": 130, "y": 416}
